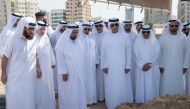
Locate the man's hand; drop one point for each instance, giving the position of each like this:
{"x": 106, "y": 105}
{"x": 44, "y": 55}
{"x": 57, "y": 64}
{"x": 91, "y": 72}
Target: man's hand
{"x": 184, "y": 70}
{"x": 105, "y": 70}
{"x": 146, "y": 66}
{"x": 4, "y": 78}
{"x": 53, "y": 66}
{"x": 65, "y": 77}
{"x": 39, "y": 73}
{"x": 97, "y": 65}
{"x": 161, "y": 70}
{"x": 127, "y": 71}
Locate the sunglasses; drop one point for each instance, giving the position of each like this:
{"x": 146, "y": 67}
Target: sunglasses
{"x": 146, "y": 32}
{"x": 112, "y": 25}
{"x": 87, "y": 29}
{"x": 128, "y": 25}
{"x": 174, "y": 26}
{"x": 98, "y": 26}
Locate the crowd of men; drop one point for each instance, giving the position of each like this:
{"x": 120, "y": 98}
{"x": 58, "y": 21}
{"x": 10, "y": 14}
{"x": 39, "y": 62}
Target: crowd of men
{"x": 83, "y": 64}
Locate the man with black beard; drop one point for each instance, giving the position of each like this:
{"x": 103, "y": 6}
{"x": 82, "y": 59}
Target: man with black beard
{"x": 19, "y": 66}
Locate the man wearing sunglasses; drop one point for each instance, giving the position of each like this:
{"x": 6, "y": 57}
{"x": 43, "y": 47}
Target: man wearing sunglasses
{"x": 173, "y": 60}
{"x": 90, "y": 61}
{"x": 61, "y": 27}
{"x": 99, "y": 32}
{"x": 116, "y": 64}
{"x": 185, "y": 29}
{"x": 147, "y": 52}
{"x": 132, "y": 37}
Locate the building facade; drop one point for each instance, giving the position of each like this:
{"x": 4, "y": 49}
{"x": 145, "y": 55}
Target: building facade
{"x": 78, "y": 10}
{"x": 156, "y": 16}
{"x": 24, "y": 7}
{"x": 56, "y": 16}
{"x": 184, "y": 10}
{"x": 129, "y": 14}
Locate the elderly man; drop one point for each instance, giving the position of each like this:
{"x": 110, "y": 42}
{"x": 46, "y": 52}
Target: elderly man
{"x": 147, "y": 52}
{"x": 70, "y": 69}
{"x": 99, "y": 32}
{"x": 116, "y": 64}
{"x": 173, "y": 60}
{"x": 44, "y": 88}
{"x": 90, "y": 61}
{"x": 19, "y": 66}
{"x": 61, "y": 27}
{"x": 9, "y": 30}
{"x": 40, "y": 16}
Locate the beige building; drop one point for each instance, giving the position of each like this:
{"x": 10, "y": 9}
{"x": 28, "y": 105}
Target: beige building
{"x": 25, "y": 7}
{"x": 184, "y": 10}
{"x": 78, "y": 10}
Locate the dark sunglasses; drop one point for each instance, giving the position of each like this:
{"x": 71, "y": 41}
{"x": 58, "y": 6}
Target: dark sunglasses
{"x": 98, "y": 26}
{"x": 128, "y": 25}
{"x": 112, "y": 25}
{"x": 174, "y": 26}
{"x": 146, "y": 32}
{"x": 87, "y": 29}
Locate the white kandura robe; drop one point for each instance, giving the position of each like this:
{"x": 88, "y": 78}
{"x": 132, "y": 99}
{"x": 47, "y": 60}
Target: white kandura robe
{"x": 116, "y": 56}
{"x": 21, "y": 72}
{"x": 173, "y": 59}
{"x": 53, "y": 39}
{"x": 6, "y": 37}
{"x": 99, "y": 74}
{"x": 90, "y": 61}
{"x": 188, "y": 71}
{"x": 70, "y": 61}
{"x": 132, "y": 37}
{"x": 146, "y": 51}
{"x": 44, "y": 87}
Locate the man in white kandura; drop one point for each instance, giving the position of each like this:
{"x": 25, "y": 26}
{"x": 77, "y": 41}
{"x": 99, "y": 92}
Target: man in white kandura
{"x": 19, "y": 66}
{"x": 44, "y": 88}
{"x": 9, "y": 29}
{"x": 147, "y": 52}
{"x": 138, "y": 26}
{"x": 70, "y": 69}
{"x": 61, "y": 27}
{"x": 186, "y": 28}
{"x": 174, "y": 59}
{"x": 132, "y": 37}
{"x": 116, "y": 64}
{"x": 99, "y": 31}
{"x": 90, "y": 61}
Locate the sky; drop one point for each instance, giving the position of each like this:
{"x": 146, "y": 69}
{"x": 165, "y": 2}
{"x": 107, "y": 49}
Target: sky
{"x": 101, "y": 9}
